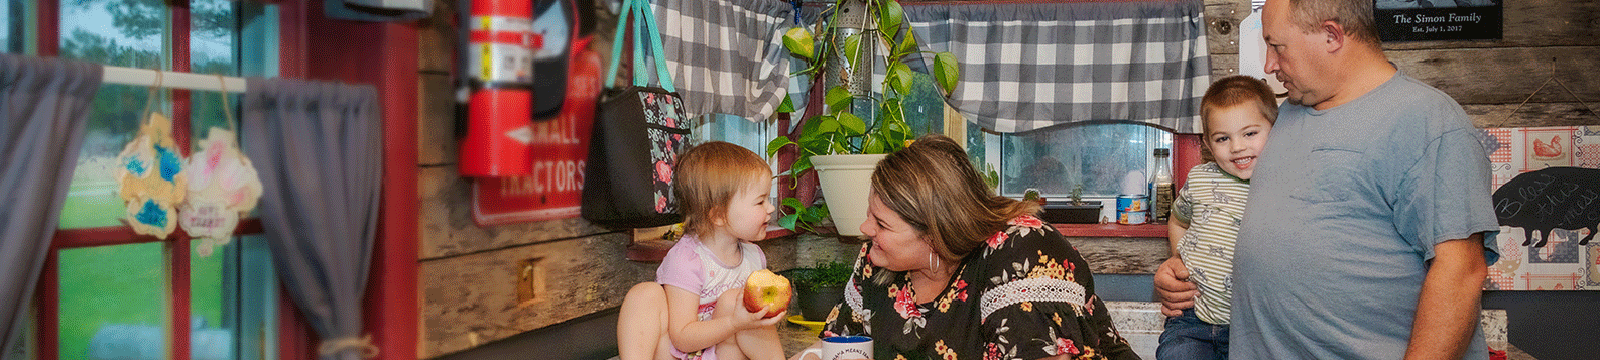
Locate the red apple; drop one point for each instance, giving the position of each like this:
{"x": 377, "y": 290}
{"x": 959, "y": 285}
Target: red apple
{"x": 764, "y": 289}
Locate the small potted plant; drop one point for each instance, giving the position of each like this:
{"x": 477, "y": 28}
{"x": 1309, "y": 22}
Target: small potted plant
{"x": 817, "y": 289}
{"x": 838, "y": 143}
{"x": 1075, "y": 211}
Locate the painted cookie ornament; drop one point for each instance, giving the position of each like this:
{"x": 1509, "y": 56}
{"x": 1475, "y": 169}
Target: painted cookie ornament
{"x": 222, "y": 187}
{"x": 150, "y": 174}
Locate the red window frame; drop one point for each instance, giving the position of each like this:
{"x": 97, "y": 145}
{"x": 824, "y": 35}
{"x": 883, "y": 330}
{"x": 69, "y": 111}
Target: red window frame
{"x": 294, "y": 341}
{"x": 382, "y": 54}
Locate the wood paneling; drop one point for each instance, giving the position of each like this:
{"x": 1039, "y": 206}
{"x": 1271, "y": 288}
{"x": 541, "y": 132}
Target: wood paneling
{"x": 1224, "y": 65}
{"x": 436, "y": 136}
{"x": 1533, "y": 114}
{"x": 447, "y": 228}
{"x": 472, "y": 299}
{"x": 1224, "y": 11}
{"x": 1490, "y": 78}
{"x": 1505, "y": 75}
{"x": 437, "y": 39}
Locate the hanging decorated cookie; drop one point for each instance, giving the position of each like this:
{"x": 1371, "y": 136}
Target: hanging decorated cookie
{"x": 150, "y": 173}
{"x": 222, "y": 187}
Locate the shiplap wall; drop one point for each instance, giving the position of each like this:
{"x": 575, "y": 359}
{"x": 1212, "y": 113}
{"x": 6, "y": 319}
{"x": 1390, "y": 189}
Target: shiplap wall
{"x": 1541, "y": 39}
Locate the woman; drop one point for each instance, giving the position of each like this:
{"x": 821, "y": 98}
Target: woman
{"x": 954, "y": 272}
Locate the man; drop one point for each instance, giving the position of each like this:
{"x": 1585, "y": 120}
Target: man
{"x": 1365, "y": 233}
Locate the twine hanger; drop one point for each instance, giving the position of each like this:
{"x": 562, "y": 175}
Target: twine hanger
{"x": 1541, "y": 88}
{"x": 151, "y": 100}
{"x": 227, "y": 109}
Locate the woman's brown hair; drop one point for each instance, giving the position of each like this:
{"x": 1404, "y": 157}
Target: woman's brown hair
{"x": 933, "y": 186}
{"x": 708, "y": 176}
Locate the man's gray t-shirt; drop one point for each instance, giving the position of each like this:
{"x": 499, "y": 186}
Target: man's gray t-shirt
{"x": 1345, "y": 208}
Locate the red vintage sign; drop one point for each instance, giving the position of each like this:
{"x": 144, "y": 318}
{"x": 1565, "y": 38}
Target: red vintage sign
{"x": 560, "y": 147}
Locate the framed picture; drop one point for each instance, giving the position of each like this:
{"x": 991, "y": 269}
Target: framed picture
{"x": 1406, "y": 20}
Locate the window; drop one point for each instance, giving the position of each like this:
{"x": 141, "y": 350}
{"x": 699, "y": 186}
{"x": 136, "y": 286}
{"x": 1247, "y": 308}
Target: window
{"x": 1055, "y": 160}
{"x": 111, "y": 293}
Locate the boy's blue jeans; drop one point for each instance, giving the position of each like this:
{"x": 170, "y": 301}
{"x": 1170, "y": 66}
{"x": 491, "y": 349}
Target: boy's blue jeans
{"x": 1187, "y": 337}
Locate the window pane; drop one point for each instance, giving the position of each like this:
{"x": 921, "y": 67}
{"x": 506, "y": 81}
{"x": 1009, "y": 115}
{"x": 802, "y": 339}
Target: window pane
{"x": 210, "y": 337}
{"x": 113, "y": 302}
{"x": 233, "y": 300}
{"x": 7, "y": 26}
{"x": 213, "y": 45}
{"x": 924, "y": 106}
{"x": 93, "y": 200}
{"x": 134, "y": 37}
{"x": 719, "y": 127}
{"x": 1097, "y": 156}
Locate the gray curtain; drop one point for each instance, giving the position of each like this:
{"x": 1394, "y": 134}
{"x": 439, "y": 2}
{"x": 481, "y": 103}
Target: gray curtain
{"x": 44, "y": 108}
{"x": 317, "y": 147}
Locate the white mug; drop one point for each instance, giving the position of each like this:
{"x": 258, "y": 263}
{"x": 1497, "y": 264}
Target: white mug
{"x": 843, "y": 348}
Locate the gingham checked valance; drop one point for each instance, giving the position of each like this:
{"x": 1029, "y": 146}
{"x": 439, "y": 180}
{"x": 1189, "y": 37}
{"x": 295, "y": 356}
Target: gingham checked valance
{"x": 1027, "y": 66}
{"x": 727, "y": 56}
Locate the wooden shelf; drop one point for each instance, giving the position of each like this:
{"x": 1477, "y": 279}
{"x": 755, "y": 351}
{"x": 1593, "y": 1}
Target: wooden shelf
{"x": 1150, "y": 230}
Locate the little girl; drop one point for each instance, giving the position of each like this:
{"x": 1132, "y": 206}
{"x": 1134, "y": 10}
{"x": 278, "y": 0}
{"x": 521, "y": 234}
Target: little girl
{"x": 694, "y": 309}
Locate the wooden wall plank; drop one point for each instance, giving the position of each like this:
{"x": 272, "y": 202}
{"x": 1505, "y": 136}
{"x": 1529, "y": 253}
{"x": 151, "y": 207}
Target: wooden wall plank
{"x": 1224, "y": 11}
{"x": 1224, "y": 65}
{"x": 472, "y": 299}
{"x": 446, "y": 220}
{"x": 436, "y": 123}
{"x": 1533, "y": 114}
{"x": 1505, "y": 75}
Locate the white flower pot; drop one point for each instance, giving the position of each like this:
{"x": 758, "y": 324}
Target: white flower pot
{"x": 846, "y": 181}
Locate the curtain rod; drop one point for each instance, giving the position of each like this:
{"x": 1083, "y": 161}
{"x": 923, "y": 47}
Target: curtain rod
{"x": 172, "y": 80}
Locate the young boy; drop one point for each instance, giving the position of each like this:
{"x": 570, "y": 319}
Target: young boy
{"x": 1237, "y": 112}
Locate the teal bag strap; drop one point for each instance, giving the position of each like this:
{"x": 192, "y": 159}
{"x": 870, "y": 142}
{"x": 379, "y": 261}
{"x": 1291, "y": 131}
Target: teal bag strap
{"x": 654, "y": 31}
{"x": 639, "y": 25}
{"x": 616, "y": 45}
{"x": 645, "y": 23}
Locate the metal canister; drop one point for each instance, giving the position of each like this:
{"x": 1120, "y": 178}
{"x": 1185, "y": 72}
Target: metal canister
{"x": 1132, "y": 209}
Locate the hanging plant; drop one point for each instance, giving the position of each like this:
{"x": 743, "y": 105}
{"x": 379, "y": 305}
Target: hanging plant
{"x": 845, "y": 39}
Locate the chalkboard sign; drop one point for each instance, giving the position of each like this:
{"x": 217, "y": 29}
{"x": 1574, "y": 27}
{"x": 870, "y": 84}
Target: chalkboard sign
{"x": 1551, "y": 198}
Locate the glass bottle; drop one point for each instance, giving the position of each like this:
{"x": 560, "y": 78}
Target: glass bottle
{"x": 1161, "y": 187}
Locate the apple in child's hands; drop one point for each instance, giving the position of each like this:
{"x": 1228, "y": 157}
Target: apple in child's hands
{"x": 764, "y": 289}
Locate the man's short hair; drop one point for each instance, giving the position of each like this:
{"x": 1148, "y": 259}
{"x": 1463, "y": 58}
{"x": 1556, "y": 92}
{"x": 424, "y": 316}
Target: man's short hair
{"x": 1354, "y": 15}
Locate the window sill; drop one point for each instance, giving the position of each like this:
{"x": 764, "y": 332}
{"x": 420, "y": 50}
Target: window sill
{"x": 1149, "y": 230}
{"x": 652, "y": 251}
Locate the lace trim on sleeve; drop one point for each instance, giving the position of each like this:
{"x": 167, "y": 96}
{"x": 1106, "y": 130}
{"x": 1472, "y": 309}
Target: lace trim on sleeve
{"x": 852, "y": 296}
{"x": 1037, "y": 290}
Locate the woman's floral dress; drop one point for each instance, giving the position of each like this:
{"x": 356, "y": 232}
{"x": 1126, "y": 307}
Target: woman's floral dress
{"x": 1027, "y": 294}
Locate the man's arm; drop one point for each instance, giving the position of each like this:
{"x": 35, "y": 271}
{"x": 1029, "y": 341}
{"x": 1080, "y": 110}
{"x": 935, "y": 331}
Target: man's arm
{"x": 1447, "y": 309}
